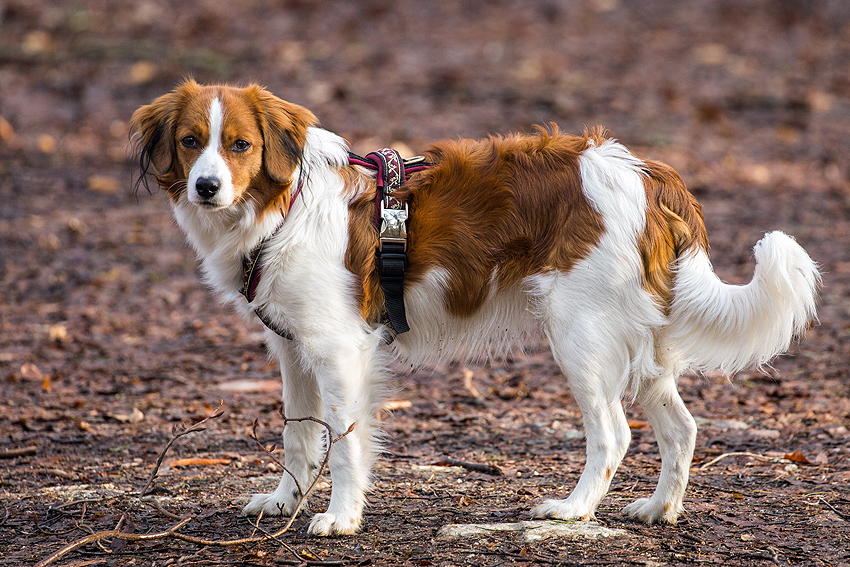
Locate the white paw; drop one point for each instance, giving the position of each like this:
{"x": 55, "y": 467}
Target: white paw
{"x": 327, "y": 524}
{"x": 274, "y": 504}
{"x": 654, "y": 511}
{"x": 562, "y": 510}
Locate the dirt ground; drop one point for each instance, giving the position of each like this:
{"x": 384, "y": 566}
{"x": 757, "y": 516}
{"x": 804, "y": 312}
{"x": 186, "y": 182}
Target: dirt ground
{"x": 108, "y": 339}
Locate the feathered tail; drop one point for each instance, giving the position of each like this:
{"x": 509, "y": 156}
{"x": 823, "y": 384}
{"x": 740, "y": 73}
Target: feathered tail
{"x": 713, "y": 325}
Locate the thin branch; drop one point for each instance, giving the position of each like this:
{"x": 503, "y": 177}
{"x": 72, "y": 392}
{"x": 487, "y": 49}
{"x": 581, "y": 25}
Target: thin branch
{"x": 155, "y": 503}
{"x": 21, "y": 452}
{"x": 96, "y": 538}
{"x": 272, "y": 457}
{"x": 175, "y": 436}
{"x": 751, "y": 455}
{"x": 831, "y": 507}
{"x": 477, "y": 467}
{"x": 312, "y": 487}
{"x": 107, "y": 534}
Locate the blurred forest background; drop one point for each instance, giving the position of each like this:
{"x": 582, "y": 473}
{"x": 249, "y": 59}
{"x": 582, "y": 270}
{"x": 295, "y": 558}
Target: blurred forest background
{"x": 108, "y": 338}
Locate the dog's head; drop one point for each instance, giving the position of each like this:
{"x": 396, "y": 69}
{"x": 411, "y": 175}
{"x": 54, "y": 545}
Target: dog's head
{"x": 219, "y": 146}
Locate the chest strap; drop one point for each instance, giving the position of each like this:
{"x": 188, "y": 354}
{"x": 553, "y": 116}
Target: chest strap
{"x": 252, "y": 269}
{"x": 391, "y": 221}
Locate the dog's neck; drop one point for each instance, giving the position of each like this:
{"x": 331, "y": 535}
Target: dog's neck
{"x": 223, "y": 238}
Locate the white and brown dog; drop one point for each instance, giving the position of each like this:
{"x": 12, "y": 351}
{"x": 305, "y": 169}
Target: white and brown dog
{"x": 572, "y": 237}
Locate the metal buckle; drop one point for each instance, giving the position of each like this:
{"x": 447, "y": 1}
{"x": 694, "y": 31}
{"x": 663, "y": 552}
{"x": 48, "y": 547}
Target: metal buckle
{"x": 393, "y": 225}
{"x": 415, "y": 160}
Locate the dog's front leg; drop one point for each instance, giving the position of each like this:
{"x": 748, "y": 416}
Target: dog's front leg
{"x": 346, "y": 378}
{"x": 302, "y": 441}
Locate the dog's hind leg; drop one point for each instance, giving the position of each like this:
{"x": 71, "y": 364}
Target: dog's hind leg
{"x": 302, "y": 441}
{"x": 595, "y": 368}
{"x": 675, "y": 430}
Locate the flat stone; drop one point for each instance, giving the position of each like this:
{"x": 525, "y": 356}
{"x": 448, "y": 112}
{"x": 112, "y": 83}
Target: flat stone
{"x": 534, "y": 530}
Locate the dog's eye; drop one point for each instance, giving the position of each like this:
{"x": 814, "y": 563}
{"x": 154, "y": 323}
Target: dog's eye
{"x": 190, "y": 142}
{"x": 240, "y": 146}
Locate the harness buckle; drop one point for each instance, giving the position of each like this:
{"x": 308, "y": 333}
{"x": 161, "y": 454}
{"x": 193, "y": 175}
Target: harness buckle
{"x": 393, "y": 226}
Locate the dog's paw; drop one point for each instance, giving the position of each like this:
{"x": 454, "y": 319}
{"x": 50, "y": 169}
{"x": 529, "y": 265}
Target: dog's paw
{"x": 654, "y": 511}
{"x": 274, "y": 504}
{"x": 327, "y": 524}
{"x": 562, "y": 510}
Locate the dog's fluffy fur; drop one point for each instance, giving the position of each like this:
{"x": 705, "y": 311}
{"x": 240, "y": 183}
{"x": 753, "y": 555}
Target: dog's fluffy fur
{"x": 573, "y": 237}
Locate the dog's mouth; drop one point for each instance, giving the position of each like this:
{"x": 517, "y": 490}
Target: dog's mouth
{"x": 209, "y": 205}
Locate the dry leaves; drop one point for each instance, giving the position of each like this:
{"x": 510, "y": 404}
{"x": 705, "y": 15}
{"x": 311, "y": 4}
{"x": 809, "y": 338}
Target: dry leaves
{"x": 198, "y": 462}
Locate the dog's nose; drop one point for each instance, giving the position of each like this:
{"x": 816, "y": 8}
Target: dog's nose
{"x": 207, "y": 187}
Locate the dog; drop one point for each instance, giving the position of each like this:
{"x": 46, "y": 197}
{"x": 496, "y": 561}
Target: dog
{"x": 571, "y": 237}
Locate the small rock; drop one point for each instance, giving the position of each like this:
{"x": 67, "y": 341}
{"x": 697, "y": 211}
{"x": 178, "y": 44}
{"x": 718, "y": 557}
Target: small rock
{"x": 536, "y": 530}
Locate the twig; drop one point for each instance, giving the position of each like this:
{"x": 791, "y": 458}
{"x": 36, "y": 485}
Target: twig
{"x": 312, "y": 487}
{"x": 73, "y": 503}
{"x": 174, "y": 437}
{"x": 751, "y": 455}
{"x": 107, "y": 534}
{"x": 831, "y": 507}
{"x": 467, "y": 384}
{"x": 155, "y": 503}
{"x": 477, "y": 467}
{"x": 268, "y": 535}
{"x": 173, "y": 533}
{"x": 21, "y": 452}
{"x": 275, "y": 459}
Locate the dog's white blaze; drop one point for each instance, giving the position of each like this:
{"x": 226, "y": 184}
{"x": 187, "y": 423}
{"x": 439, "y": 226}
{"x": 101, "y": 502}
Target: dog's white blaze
{"x": 211, "y": 163}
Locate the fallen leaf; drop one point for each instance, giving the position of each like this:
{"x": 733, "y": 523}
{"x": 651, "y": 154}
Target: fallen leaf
{"x": 31, "y": 372}
{"x": 198, "y": 462}
{"x": 58, "y": 333}
{"x": 6, "y": 130}
{"x": 462, "y": 501}
{"x": 36, "y": 42}
{"x": 797, "y": 457}
{"x": 142, "y": 72}
{"x": 637, "y": 424}
{"x": 103, "y": 184}
{"x": 46, "y": 144}
{"x": 250, "y": 386}
{"x": 397, "y": 404}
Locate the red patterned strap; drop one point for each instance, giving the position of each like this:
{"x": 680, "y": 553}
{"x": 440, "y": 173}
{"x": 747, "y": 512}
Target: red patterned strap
{"x": 391, "y": 221}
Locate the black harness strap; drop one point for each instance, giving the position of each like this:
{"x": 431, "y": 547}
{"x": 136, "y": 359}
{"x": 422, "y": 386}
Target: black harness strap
{"x": 391, "y": 221}
{"x": 392, "y": 252}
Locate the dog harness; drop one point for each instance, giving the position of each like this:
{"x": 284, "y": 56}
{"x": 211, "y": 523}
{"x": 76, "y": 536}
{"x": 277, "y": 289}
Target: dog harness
{"x": 390, "y": 221}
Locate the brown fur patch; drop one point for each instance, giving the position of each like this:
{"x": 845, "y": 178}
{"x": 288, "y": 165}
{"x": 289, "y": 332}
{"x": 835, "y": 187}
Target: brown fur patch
{"x": 674, "y": 224}
{"x": 510, "y": 206}
{"x": 360, "y": 257}
{"x": 284, "y": 133}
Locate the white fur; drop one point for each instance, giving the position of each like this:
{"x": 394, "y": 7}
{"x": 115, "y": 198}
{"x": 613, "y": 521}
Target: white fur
{"x": 607, "y": 333}
{"x": 211, "y": 163}
{"x": 601, "y": 323}
{"x": 732, "y": 327}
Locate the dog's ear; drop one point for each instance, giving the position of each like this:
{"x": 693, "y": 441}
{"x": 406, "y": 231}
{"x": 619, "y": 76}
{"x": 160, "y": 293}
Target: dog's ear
{"x": 153, "y": 127}
{"x": 284, "y": 126}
